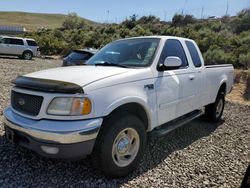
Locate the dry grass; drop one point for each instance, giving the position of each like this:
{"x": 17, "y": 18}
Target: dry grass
{"x": 32, "y": 21}
{"x": 241, "y": 90}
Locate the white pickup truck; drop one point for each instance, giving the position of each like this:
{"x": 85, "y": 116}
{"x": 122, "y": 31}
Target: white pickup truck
{"x": 107, "y": 107}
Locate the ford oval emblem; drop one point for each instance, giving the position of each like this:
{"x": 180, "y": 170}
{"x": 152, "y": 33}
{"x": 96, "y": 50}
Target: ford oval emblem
{"x": 21, "y": 101}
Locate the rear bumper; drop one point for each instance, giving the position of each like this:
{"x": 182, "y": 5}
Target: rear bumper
{"x": 50, "y": 138}
{"x": 36, "y": 53}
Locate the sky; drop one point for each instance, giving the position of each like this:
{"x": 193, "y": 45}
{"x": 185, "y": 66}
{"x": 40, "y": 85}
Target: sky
{"x": 117, "y": 11}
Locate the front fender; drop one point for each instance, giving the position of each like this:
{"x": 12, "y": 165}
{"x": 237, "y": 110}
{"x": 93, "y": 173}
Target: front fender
{"x": 131, "y": 99}
{"x": 126, "y": 100}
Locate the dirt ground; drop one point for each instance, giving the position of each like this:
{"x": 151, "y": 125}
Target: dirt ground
{"x": 199, "y": 154}
{"x": 241, "y": 90}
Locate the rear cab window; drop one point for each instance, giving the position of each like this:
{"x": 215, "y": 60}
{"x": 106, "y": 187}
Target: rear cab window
{"x": 194, "y": 54}
{"x": 173, "y": 47}
{"x": 31, "y": 43}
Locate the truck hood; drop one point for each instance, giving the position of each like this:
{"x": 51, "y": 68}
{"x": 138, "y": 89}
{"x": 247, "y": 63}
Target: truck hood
{"x": 80, "y": 75}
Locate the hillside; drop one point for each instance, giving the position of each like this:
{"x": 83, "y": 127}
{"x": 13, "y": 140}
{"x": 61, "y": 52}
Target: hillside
{"x": 32, "y": 21}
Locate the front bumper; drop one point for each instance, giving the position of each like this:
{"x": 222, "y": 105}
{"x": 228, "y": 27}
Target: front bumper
{"x": 72, "y": 139}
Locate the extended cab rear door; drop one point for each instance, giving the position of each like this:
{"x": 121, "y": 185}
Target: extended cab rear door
{"x": 175, "y": 88}
{"x": 196, "y": 59}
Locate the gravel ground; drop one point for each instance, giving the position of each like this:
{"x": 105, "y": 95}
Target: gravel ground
{"x": 198, "y": 154}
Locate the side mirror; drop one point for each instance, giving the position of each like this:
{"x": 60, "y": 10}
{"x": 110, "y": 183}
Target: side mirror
{"x": 170, "y": 63}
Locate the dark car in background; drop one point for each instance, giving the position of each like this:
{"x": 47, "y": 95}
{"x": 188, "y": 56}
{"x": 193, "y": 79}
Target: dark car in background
{"x": 78, "y": 57}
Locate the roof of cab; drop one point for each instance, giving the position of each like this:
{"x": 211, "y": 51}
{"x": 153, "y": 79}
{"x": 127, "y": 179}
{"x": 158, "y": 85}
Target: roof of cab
{"x": 160, "y": 37}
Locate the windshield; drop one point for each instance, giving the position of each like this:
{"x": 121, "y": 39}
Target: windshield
{"x": 130, "y": 52}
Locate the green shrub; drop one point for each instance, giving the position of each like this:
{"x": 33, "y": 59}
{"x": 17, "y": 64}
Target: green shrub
{"x": 221, "y": 41}
{"x": 217, "y": 56}
{"x": 244, "y": 59}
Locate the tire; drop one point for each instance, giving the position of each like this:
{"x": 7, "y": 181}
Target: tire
{"x": 214, "y": 111}
{"x": 27, "y": 55}
{"x": 113, "y": 141}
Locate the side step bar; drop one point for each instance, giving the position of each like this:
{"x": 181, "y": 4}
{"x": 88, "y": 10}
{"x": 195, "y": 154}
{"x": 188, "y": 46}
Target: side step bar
{"x": 172, "y": 125}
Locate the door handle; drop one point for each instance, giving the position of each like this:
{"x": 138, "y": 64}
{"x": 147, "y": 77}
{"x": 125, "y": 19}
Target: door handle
{"x": 149, "y": 86}
{"x": 191, "y": 77}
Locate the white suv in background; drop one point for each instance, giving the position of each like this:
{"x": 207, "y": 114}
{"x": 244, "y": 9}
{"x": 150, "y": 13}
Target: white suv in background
{"x": 22, "y": 47}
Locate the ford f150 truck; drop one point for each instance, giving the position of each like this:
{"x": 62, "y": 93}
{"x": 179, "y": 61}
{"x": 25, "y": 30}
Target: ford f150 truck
{"x": 130, "y": 88}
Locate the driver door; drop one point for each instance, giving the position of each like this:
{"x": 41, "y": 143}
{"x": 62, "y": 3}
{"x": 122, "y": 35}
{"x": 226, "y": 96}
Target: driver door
{"x": 175, "y": 89}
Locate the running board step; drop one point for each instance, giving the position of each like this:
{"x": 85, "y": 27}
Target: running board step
{"x": 172, "y": 125}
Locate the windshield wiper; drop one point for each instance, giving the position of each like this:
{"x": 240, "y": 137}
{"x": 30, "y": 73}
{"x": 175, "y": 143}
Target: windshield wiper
{"x": 106, "y": 63}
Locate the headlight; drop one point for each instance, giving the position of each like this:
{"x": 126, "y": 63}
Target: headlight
{"x": 69, "y": 106}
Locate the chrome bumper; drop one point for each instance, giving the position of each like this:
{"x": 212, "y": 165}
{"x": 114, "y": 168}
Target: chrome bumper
{"x": 54, "y": 131}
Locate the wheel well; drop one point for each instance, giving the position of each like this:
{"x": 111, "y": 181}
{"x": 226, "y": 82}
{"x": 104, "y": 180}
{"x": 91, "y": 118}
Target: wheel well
{"x": 135, "y": 109}
{"x": 28, "y": 51}
{"x": 223, "y": 88}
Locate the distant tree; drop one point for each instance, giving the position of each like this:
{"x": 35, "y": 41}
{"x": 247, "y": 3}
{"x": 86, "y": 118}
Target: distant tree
{"x": 189, "y": 19}
{"x": 148, "y": 20}
{"x": 131, "y": 22}
{"x": 177, "y": 20}
{"x": 241, "y": 22}
{"x": 73, "y": 21}
{"x": 225, "y": 19}
{"x": 180, "y": 20}
{"x": 133, "y": 18}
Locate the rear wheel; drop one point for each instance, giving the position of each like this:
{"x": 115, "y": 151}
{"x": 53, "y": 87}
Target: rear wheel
{"x": 214, "y": 111}
{"x": 27, "y": 55}
{"x": 120, "y": 145}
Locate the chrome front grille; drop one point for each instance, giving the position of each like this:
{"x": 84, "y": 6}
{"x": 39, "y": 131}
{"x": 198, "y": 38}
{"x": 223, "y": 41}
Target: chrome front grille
{"x": 25, "y": 103}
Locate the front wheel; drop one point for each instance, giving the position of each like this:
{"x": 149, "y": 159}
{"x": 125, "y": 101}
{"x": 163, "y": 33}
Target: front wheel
{"x": 214, "y": 111}
{"x": 120, "y": 145}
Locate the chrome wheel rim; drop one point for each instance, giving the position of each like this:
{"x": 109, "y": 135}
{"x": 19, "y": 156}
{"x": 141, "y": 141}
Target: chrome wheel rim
{"x": 27, "y": 56}
{"x": 219, "y": 108}
{"x": 125, "y": 147}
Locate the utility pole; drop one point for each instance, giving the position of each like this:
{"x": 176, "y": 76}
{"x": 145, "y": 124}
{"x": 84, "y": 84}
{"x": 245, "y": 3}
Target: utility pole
{"x": 108, "y": 16}
{"x": 227, "y": 7}
{"x": 184, "y": 7}
{"x": 202, "y": 11}
{"x": 165, "y": 15}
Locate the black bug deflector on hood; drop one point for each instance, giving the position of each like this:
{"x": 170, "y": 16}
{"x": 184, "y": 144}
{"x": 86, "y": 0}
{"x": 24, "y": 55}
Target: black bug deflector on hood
{"x": 46, "y": 85}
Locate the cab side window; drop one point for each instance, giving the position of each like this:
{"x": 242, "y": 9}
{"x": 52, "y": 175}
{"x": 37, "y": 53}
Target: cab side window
{"x": 194, "y": 54}
{"x": 173, "y": 47}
